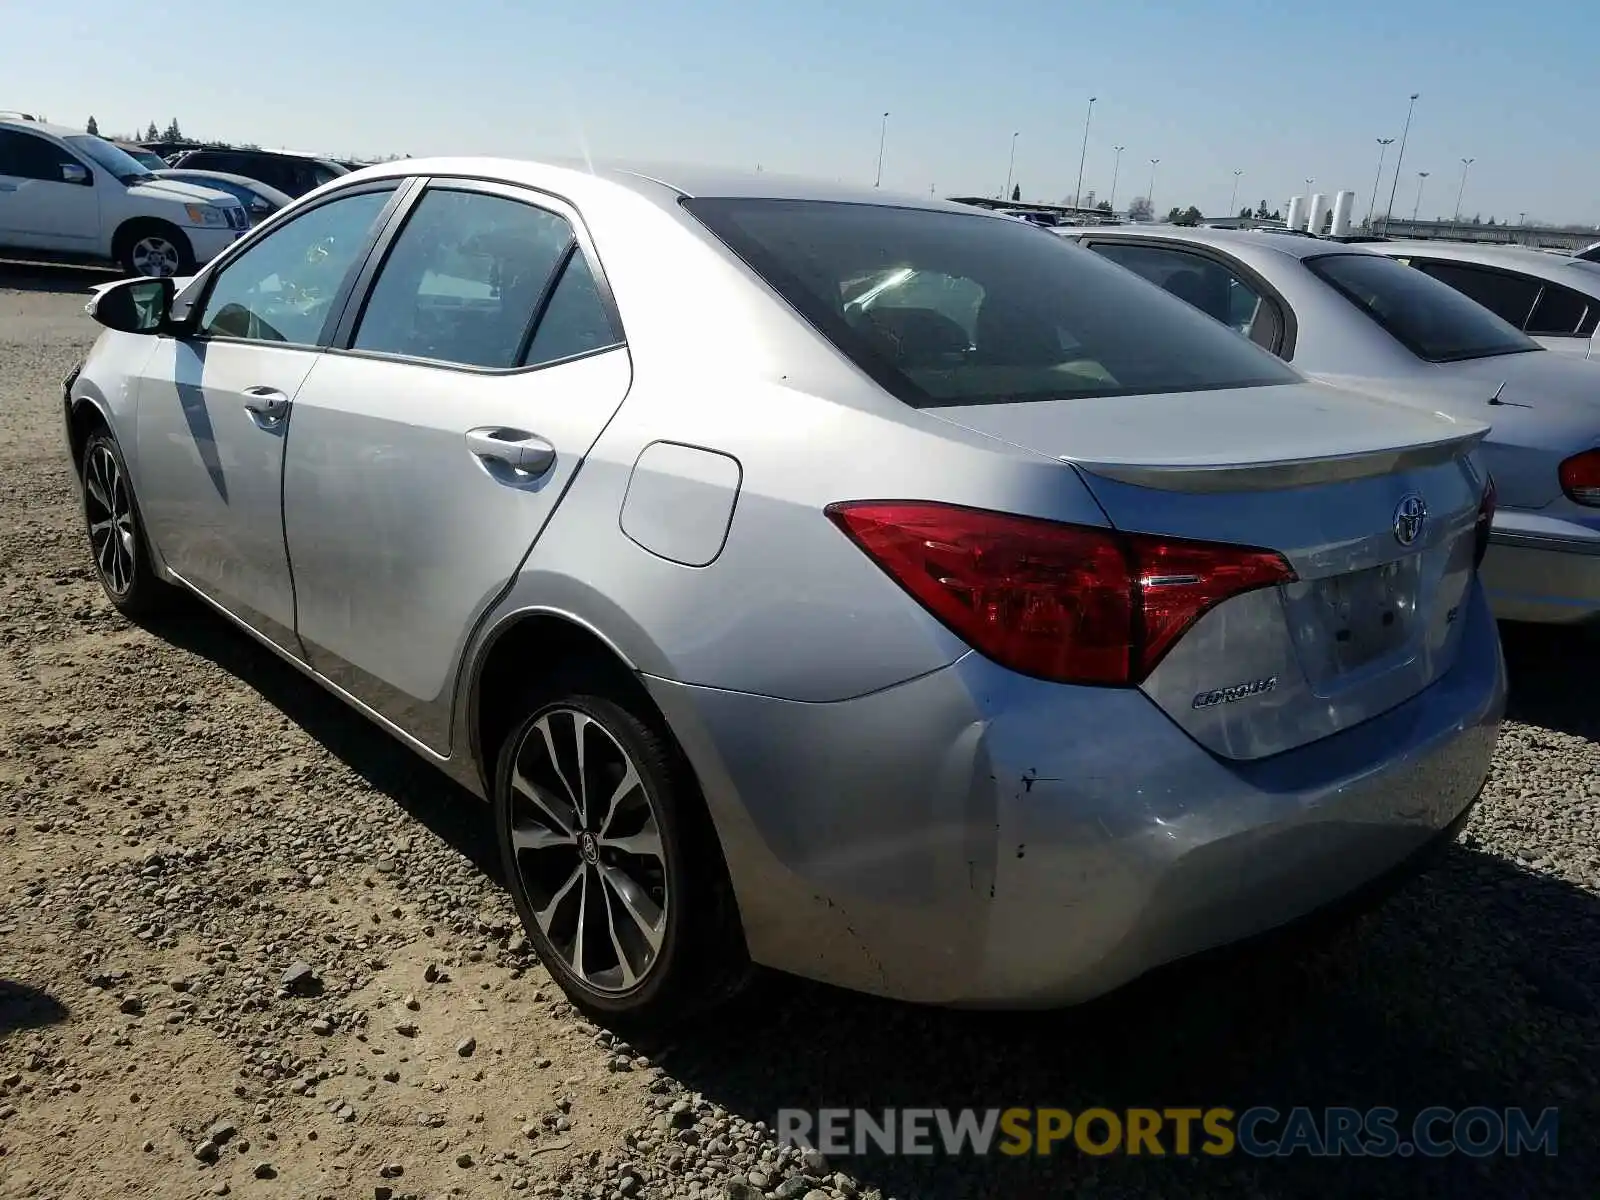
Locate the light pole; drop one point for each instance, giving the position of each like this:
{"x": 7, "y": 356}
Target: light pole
{"x": 1077, "y": 196}
{"x": 883, "y": 136}
{"x": 1116, "y": 169}
{"x": 1233, "y": 205}
{"x": 1010, "y": 168}
{"x": 1422, "y": 177}
{"x": 1383, "y": 148}
{"x": 1399, "y": 160}
{"x": 1465, "y": 163}
{"x": 1151, "y": 197}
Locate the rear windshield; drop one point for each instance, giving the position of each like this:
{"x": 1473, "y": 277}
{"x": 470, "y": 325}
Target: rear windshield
{"x": 947, "y": 308}
{"x": 1431, "y": 319}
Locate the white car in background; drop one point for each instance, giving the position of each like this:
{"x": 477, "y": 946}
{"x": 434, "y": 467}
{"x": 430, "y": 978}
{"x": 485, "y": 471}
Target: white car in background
{"x": 1553, "y": 298}
{"x": 75, "y": 197}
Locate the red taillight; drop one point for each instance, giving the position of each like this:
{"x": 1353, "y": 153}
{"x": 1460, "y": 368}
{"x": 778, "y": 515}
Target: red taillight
{"x": 1480, "y": 532}
{"x": 1580, "y": 478}
{"x": 1070, "y": 603}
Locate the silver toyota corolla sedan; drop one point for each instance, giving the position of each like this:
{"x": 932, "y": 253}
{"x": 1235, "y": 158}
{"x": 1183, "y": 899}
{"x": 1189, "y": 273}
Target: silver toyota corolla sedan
{"x": 878, "y": 590}
{"x": 1347, "y": 315}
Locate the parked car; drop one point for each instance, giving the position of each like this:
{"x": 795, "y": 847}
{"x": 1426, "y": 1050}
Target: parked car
{"x": 1554, "y": 299}
{"x": 291, "y": 173}
{"x": 71, "y": 195}
{"x": 145, "y": 158}
{"x": 869, "y": 588}
{"x": 259, "y": 199}
{"x": 1352, "y": 316}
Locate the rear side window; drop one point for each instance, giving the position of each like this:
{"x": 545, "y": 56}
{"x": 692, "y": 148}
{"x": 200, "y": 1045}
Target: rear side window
{"x": 1560, "y": 313}
{"x": 1510, "y": 297}
{"x": 576, "y": 320}
{"x": 464, "y": 280}
{"x": 1201, "y": 281}
{"x": 947, "y": 308}
{"x": 1431, "y": 319}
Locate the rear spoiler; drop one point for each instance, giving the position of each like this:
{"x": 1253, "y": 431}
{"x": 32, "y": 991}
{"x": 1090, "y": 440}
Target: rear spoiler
{"x": 1179, "y": 476}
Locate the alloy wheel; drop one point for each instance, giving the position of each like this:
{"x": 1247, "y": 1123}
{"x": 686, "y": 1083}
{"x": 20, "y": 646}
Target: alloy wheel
{"x": 109, "y": 509}
{"x": 588, "y": 850}
{"x": 154, "y": 255}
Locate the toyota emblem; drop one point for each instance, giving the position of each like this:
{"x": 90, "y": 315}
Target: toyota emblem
{"x": 1409, "y": 515}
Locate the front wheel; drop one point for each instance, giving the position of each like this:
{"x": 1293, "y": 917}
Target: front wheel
{"x": 611, "y": 860}
{"x": 116, "y": 537}
{"x": 154, "y": 248}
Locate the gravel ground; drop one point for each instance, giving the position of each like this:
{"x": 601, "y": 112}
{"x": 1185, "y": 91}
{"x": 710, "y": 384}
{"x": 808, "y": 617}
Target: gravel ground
{"x": 248, "y": 946}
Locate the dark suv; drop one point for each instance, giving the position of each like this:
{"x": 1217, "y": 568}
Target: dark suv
{"x": 294, "y": 174}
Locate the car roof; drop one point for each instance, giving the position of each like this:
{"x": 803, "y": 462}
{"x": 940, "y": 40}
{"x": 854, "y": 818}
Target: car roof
{"x": 1558, "y": 268}
{"x": 662, "y": 184}
{"x": 1224, "y": 239}
{"x": 28, "y": 123}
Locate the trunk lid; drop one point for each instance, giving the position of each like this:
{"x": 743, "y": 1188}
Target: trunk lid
{"x": 1372, "y": 503}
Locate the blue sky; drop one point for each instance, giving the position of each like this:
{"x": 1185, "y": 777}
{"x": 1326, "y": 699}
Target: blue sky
{"x": 1277, "y": 90}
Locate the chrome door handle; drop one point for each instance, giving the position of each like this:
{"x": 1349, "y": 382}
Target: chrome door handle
{"x": 526, "y": 453}
{"x": 8, "y": 187}
{"x": 267, "y": 403}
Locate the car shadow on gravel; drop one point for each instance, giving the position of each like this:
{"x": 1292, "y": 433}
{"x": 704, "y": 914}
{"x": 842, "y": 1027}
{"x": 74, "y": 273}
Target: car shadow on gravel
{"x": 1476, "y": 984}
{"x": 24, "y": 1007}
{"x": 51, "y": 278}
{"x": 427, "y": 794}
{"x": 1552, "y": 673}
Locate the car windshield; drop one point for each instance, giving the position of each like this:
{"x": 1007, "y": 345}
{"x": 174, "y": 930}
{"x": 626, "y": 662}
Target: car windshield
{"x": 1431, "y": 319}
{"x": 121, "y": 164}
{"x": 145, "y": 158}
{"x": 946, "y": 308}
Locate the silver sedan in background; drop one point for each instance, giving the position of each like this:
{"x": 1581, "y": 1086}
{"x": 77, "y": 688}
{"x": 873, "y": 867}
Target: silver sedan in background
{"x": 1351, "y": 316}
{"x": 1553, "y": 298}
{"x": 875, "y": 589}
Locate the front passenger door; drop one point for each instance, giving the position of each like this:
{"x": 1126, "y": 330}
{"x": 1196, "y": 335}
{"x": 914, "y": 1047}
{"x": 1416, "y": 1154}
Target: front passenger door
{"x": 214, "y": 408}
{"x": 48, "y": 199}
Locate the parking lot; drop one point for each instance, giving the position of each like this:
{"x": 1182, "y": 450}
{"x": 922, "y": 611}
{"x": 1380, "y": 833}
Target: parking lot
{"x": 184, "y": 819}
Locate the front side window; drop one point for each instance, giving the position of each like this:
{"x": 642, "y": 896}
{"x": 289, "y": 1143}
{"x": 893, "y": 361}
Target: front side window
{"x": 1201, "y": 281}
{"x": 945, "y": 308}
{"x": 25, "y": 156}
{"x": 1431, "y": 319}
{"x": 1510, "y": 297}
{"x": 464, "y": 280}
{"x": 282, "y": 288}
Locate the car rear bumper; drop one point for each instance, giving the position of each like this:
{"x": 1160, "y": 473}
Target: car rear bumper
{"x": 1544, "y": 569}
{"x": 973, "y": 837}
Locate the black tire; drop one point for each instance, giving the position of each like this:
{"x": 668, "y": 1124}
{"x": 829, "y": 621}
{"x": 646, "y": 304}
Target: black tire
{"x": 136, "y": 243}
{"x": 701, "y": 960}
{"x": 117, "y": 543}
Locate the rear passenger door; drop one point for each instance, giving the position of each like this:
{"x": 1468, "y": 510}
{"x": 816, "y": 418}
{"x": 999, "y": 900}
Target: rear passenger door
{"x": 429, "y": 448}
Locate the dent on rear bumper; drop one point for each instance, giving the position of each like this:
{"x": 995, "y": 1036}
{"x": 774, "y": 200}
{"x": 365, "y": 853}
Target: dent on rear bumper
{"x": 975, "y": 837}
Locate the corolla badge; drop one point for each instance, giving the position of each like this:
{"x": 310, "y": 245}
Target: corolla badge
{"x": 1232, "y": 695}
{"x": 1409, "y": 516}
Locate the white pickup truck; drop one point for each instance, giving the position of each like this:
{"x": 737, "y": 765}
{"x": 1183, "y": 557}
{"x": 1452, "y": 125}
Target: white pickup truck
{"x": 71, "y": 196}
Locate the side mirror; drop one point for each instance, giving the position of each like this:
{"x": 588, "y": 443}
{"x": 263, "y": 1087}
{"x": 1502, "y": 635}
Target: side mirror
{"x": 133, "y": 305}
{"x": 76, "y": 173}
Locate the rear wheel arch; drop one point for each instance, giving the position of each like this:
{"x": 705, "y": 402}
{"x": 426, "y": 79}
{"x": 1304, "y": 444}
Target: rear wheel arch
{"x": 537, "y": 644}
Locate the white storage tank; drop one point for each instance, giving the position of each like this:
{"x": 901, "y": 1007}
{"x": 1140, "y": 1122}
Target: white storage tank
{"x": 1296, "y": 218}
{"x": 1344, "y": 205}
{"x": 1318, "y": 216}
